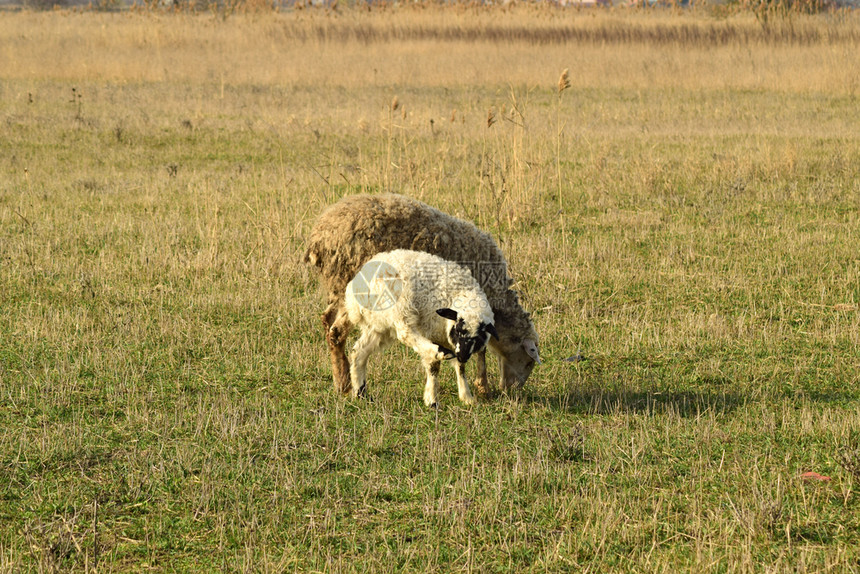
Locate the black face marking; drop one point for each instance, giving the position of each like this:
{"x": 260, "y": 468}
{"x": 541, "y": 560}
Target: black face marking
{"x": 466, "y": 344}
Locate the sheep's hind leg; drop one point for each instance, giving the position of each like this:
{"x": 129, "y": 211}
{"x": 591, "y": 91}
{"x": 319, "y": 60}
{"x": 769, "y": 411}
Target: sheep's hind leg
{"x": 337, "y": 328}
{"x": 463, "y": 389}
{"x": 366, "y": 345}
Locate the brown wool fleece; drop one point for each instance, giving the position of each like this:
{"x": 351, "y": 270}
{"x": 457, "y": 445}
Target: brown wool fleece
{"x": 353, "y": 230}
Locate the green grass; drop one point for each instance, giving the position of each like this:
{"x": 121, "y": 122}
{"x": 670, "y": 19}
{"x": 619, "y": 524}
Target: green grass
{"x": 165, "y": 397}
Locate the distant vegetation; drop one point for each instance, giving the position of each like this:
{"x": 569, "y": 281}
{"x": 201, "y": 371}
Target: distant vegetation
{"x": 765, "y": 10}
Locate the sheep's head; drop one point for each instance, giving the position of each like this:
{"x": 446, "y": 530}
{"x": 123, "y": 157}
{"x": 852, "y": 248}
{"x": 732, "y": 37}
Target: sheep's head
{"x": 517, "y": 359}
{"x": 467, "y": 340}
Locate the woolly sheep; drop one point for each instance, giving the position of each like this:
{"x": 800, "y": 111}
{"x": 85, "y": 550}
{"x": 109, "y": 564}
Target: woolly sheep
{"x": 432, "y": 305}
{"x": 351, "y": 231}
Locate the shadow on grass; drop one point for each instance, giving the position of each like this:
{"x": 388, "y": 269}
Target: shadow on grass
{"x": 681, "y": 403}
{"x": 598, "y": 401}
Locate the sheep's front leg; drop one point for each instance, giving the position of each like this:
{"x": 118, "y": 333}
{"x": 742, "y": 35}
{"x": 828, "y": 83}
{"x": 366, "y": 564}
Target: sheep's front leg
{"x": 463, "y": 389}
{"x": 431, "y": 388}
{"x": 427, "y": 349}
{"x": 431, "y": 355}
{"x": 482, "y": 382}
{"x": 366, "y": 345}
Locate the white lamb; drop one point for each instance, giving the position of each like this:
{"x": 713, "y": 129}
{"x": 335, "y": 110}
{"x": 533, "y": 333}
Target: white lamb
{"x": 432, "y": 305}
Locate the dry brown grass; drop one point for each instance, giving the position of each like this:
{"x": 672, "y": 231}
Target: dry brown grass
{"x": 437, "y": 48}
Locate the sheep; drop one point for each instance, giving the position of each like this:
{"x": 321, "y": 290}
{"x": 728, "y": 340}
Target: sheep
{"x": 351, "y": 231}
{"x": 432, "y": 305}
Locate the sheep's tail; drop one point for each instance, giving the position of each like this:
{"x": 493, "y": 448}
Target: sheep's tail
{"x": 310, "y": 258}
{"x": 313, "y": 255}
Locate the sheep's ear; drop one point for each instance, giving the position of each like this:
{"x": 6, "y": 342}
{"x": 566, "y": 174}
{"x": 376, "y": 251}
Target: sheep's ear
{"x": 447, "y": 313}
{"x": 491, "y": 329}
{"x": 531, "y": 349}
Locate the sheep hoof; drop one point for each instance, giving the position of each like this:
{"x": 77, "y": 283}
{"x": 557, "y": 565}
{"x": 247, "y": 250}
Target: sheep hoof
{"x": 360, "y": 392}
{"x": 430, "y": 400}
{"x": 444, "y": 354}
{"x": 485, "y": 391}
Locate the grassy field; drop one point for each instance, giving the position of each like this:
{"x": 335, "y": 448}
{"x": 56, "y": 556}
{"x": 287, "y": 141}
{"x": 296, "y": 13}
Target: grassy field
{"x": 685, "y": 217}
